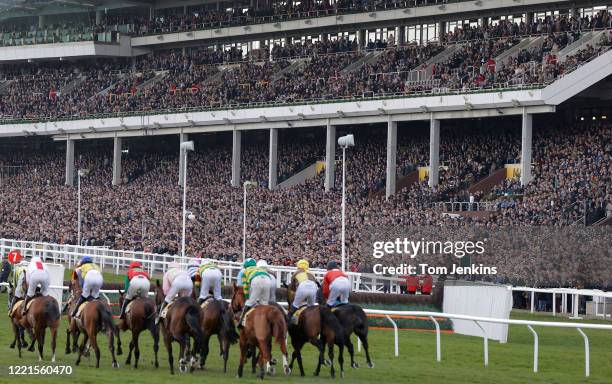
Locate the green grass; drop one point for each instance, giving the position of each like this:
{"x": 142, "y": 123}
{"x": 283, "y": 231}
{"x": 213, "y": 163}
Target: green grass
{"x": 561, "y": 360}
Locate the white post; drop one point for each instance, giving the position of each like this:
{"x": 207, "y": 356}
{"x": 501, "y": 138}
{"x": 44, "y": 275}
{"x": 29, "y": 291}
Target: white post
{"x": 273, "y": 159}
{"x": 236, "y": 144}
{"x": 244, "y": 203}
{"x": 532, "y": 300}
{"x": 438, "y": 349}
{"x": 434, "y": 151}
{"x": 330, "y": 157}
{"x": 535, "y": 348}
{"x": 486, "y": 343}
{"x": 69, "y": 162}
{"x": 396, "y": 335}
{"x": 117, "y": 161}
{"x": 526, "y": 148}
{"x": 184, "y": 205}
{"x": 554, "y": 304}
{"x": 391, "y": 157}
{"x": 586, "y": 353}
{"x": 182, "y": 138}
{"x": 79, "y": 208}
{"x": 343, "y": 207}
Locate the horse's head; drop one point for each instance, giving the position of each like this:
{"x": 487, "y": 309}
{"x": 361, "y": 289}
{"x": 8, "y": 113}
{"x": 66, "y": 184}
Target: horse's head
{"x": 159, "y": 293}
{"x": 238, "y": 298}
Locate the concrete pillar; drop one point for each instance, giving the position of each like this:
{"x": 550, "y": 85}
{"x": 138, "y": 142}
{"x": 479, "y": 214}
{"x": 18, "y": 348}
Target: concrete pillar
{"x": 236, "y": 152}
{"x": 527, "y": 121}
{"x": 98, "y": 17}
{"x": 183, "y": 137}
{"x": 482, "y": 21}
{"x": 434, "y": 151}
{"x": 70, "y": 162}
{"x": 391, "y": 157}
{"x": 401, "y": 36}
{"x": 362, "y": 39}
{"x": 117, "y": 161}
{"x": 330, "y": 157}
{"x": 41, "y": 21}
{"x": 273, "y": 165}
{"x": 441, "y": 30}
{"x": 528, "y": 18}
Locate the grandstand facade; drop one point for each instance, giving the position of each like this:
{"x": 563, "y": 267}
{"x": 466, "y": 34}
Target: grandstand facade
{"x": 490, "y": 113}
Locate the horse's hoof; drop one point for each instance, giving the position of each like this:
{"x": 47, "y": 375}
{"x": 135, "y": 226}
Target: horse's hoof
{"x": 183, "y": 369}
{"x": 288, "y": 371}
{"x": 115, "y": 364}
{"x": 327, "y": 362}
{"x": 67, "y": 351}
{"x": 354, "y": 365}
{"x": 238, "y": 377}
{"x": 342, "y": 374}
{"x": 273, "y": 361}
{"x": 370, "y": 364}
{"x": 271, "y": 371}
{"x": 31, "y": 349}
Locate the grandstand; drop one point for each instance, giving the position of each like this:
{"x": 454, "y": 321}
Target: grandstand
{"x": 488, "y": 113}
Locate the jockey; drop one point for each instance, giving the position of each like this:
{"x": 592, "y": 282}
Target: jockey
{"x": 90, "y": 280}
{"x": 305, "y": 286}
{"x": 137, "y": 284}
{"x": 264, "y": 264}
{"x": 37, "y": 274}
{"x": 176, "y": 281}
{"x": 211, "y": 277}
{"x": 18, "y": 276}
{"x": 239, "y": 277}
{"x": 336, "y": 285}
{"x": 193, "y": 268}
{"x": 256, "y": 284}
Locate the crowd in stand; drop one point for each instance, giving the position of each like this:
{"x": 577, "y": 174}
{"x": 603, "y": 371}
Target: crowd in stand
{"x": 572, "y": 170}
{"x": 329, "y": 69}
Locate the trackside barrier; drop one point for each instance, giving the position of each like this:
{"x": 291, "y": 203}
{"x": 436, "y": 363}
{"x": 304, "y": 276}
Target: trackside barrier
{"x": 118, "y": 262}
{"x": 476, "y": 319}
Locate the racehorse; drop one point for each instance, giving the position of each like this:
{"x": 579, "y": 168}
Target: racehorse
{"x": 183, "y": 320}
{"x": 43, "y": 313}
{"x": 318, "y": 326}
{"x": 95, "y": 317}
{"x": 354, "y": 320}
{"x": 141, "y": 317}
{"x": 217, "y": 319}
{"x": 18, "y": 328}
{"x": 263, "y": 323}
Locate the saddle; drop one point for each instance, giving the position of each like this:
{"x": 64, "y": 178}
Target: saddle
{"x": 246, "y": 315}
{"x": 18, "y": 304}
{"x": 338, "y": 306}
{"x": 206, "y": 302}
{"x": 165, "y": 311}
{"x": 129, "y": 306}
{"x": 81, "y": 308}
{"x": 295, "y": 319}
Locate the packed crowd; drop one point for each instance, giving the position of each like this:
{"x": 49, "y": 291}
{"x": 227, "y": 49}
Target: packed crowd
{"x": 572, "y": 167}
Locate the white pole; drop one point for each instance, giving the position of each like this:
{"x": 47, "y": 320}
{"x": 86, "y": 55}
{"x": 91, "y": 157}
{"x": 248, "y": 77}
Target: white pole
{"x": 343, "y": 207}
{"x": 184, "y": 205}
{"x": 79, "y": 208}
{"x": 244, "y": 203}
{"x": 535, "y": 348}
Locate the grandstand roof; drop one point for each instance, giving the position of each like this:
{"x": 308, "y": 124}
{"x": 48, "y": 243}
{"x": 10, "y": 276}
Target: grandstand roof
{"x": 22, "y": 8}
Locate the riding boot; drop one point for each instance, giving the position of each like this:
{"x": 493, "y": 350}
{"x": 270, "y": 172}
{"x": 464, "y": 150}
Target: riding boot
{"x": 161, "y": 310}
{"x": 291, "y": 312}
{"x": 25, "y": 305}
{"x": 123, "y": 308}
{"x": 80, "y": 301}
{"x": 244, "y": 311}
{"x": 201, "y": 300}
{"x": 13, "y": 301}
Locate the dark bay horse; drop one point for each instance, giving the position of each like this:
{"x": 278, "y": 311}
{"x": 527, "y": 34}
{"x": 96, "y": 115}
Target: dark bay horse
{"x": 183, "y": 320}
{"x": 217, "y": 319}
{"x": 354, "y": 320}
{"x": 263, "y": 323}
{"x": 19, "y": 329}
{"x": 141, "y": 317}
{"x": 95, "y": 317}
{"x": 318, "y": 326}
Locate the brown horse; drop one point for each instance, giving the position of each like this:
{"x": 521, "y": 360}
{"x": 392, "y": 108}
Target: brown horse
{"x": 318, "y": 326}
{"x": 262, "y": 323}
{"x": 43, "y": 313}
{"x": 217, "y": 319}
{"x": 183, "y": 320}
{"x": 141, "y": 317}
{"x": 18, "y": 329}
{"x": 95, "y": 317}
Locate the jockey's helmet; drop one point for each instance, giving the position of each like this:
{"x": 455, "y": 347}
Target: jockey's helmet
{"x": 250, "y": 262}
{"x": 302, "y": 264}
{"x": 262, "y": 263}
{"x": 332, "y": 265}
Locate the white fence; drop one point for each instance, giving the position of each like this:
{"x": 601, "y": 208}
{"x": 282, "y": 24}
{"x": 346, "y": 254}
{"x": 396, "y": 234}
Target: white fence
{"x": 599, "y": 297}
{"x": 118, "y": 262}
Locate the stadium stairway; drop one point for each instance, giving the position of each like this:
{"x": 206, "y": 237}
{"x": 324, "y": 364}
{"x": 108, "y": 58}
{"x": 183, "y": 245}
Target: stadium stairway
{"x": 367, "y": 58}
{"x": 440, "y": 58}
{"x": 217, "y": 76}
{"x": 4, "y": 85}
{"x": 300, "y": 178}
{"x": 294, "y": 66}
{"x": 159, "y": 76}
{"x": 73, "y": 84}
{"x": 401, "y": 183}
{"x": 592, "y": 37}
{"x": 106, "y": 90}
{"x": 486, "y": 184}
{"x": 527, "y": 43}
{"x": 604, "y": 221}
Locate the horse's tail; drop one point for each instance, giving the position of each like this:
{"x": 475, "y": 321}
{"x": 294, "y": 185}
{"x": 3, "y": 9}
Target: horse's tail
{"x": 360, "y": 318}
{"x": 192, "y": 319}
{"x": 330, "y": 321}
{"x": 227, "y": 324}
{"x": 279, "y": 325}
{"x": 52, "y": 311}
{"x": 149, "y": 309}
{"x": 106, "y": 318}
